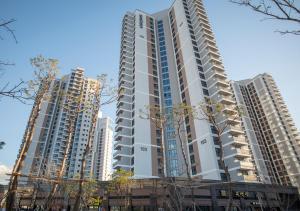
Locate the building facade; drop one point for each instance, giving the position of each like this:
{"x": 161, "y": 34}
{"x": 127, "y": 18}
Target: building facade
{"x": 159, "y": 194}
{"x": 168, "y": 58}
{"x": 64, "y": 115}
{"x": 103, "y": 149}
{"x": 270, "y": 130}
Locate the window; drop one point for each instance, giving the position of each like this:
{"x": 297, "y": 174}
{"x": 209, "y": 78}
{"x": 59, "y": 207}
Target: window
{"x": 223, "y": 177}
{"x": 216, "y": 140}
{"x": 191, "y": 148}
{"x": 162, "y": 48}
{"x": 205, "y": 92}
{"x": 167, "y": 95}
{"x": 168, "y": 102}
{"x": 163, "y": 58}
{"x": 141, "y": 21}
{"x": 200, "y": 69}
{"x": 213, "y": 130}
{"x": 198, "y": 61}
{"x": 166, "y": 82}
{"x": 218, "y": 152}
{"x": 204, "y": 83}
{"x": 202, "y": 76}
{"x": 194, "y": 170}
{"x": 165, "y": 75}
{"x": 171, "y": 144}
{"x": 165, "y": 69}
{"x": 172, "y": 153}
{"x": 192, "y": 158}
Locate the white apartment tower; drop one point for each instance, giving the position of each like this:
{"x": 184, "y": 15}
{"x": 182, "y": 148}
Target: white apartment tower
{"x": 270, "y": 130}
{"x": 103, "y": 149}
{"x": 49, "y": 143}
{"x": 168, "y": 58}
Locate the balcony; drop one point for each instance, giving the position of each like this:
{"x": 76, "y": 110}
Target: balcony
{"x": 121, "y": 110}
{"x": 120, "y": 119}
{"x": 230, "y": 110}
{"x": 227, "y": 100}
{"x": 288, "y": 118}
{"x": 119, "y": 135}
{"x": 212, "y": 47}
{"x": 215, "y": 66}
{"x": 250, "y": 178}
{"x": 233, "y": 121}
{"x": 242, "y": 153}
{"x": 219, "y": 74}
{"x": 118, "y": 154}
{"x": 123, "y": 143}
{"x": 235, "y": 131}
{"x": 245, "y": 165}
{"x": 239, "y": 141}
{"x": 224, "y": 91}
{"x": 222, "y": 83}
{"x": 121, "y": 164}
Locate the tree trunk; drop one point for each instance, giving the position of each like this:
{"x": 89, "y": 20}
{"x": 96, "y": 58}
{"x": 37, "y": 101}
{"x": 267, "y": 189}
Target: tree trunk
{"x": 163, "y": 152}
{"x": 80, "y": 190}
{"x": 34, "y": 194}
{"x": 62, "y": 168}
{"x": 71, "y": 129}
{"x": 95, "y": 108}
{"x": 187, "y": 168}
{"x": 13, "y": 184}
{"x": 227, "y": 174}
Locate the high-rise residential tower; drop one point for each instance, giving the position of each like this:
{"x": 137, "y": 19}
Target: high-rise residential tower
{"x": 52, "y": 129}
{"x": 103, "y": 149}
{"x": 270, "y": 130}
{"x": 169, "y": 58}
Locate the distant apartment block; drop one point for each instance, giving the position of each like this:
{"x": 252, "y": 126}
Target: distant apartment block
{"x": 270, "y": 130}
{"x": 103, "y": 149}
{"x": 168, "y": 58}
{"x": 52, "y": 128}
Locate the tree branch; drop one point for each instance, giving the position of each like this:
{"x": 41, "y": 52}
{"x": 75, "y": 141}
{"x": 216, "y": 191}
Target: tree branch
{"x": 283, "y": 10}
{"x": 5, "y": 24}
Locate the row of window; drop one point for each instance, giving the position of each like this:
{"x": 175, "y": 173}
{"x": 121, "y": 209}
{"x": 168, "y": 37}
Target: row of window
{"x": 171, "y": 143}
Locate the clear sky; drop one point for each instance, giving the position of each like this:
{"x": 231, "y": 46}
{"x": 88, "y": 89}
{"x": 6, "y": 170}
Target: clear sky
{"x": 87, "y": 34}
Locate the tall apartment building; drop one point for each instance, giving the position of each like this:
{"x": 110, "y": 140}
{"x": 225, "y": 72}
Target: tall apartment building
{"x": 270, "y": 130}
{"x": 103, "y": 149}
{"x": 168, "y": 58}
{"x": 51, "y": 132}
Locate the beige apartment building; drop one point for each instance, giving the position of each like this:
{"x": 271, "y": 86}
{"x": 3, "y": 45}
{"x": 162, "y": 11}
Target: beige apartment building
{"x": 270, "y": 130}
{"x": 168, "y": 58}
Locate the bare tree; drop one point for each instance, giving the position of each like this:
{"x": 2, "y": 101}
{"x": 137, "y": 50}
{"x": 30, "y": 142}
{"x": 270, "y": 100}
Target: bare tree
{"x": 73, "y": 105}
{"x": 177, "y": 118}
{"x": 104, "y": 93}
{"x": 180, "y": 113}
{"x": 5, "y": 25}
{"x": 282, "y": 10}
{"x": 19, "y": 90}
{"x": 122, "y": 184}
{"x": 159, "y": 119}
{"x": 45, "y": 73}
{"x": 176, "y": 196}
{"x": 221, "y": 120}
{"x": 89, "y": 190}
{"x": 38, "y": 181}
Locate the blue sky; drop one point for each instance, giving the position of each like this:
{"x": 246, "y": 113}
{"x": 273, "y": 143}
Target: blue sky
{"x": 87, "y": 34}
